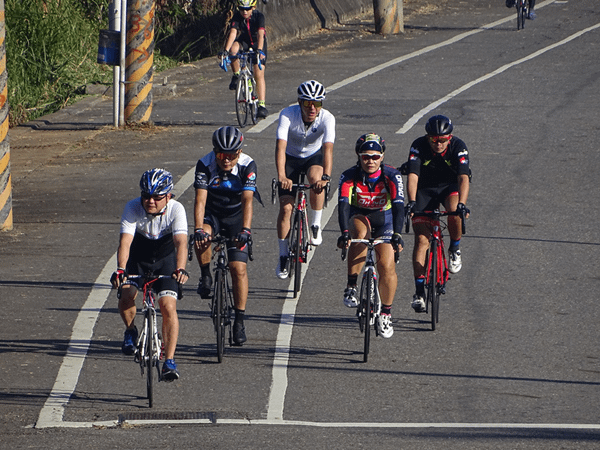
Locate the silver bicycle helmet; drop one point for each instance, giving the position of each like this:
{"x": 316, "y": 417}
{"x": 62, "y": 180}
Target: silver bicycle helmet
{"x": 227, "y": 139}
{"x": 156, "y": 182}
{"x": 311, "y": 90}
{"x": 438, "y": 126}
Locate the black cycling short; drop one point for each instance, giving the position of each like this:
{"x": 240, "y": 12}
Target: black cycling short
{"x": 293, "y": 167}
{"x": 228, "y": 227}
{"x": 430, "y": 199}
{"x": 164, "y": 266}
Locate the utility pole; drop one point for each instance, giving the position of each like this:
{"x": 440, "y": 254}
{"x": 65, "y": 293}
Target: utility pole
{"x": 389, "y": 16}
{"x": 6, "y": 217}
{"x": 140, "y": 58}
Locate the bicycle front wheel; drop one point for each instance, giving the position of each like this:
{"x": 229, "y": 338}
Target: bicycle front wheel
{"x": 433, "y": 294}
{"x": 367, "y": 303}
{"x": 521, "y": 13}
{"x": 241, "y": 104}
{"x": 148, "y": 354}
{"x": 296, "y": 250}
{"x": 220, "y": 313}
{"x": 253, "y": 100}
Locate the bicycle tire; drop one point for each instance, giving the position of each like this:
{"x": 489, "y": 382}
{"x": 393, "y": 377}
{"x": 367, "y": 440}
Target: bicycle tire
{"x": 148, "y": 358}
{"x": 433, "y": 283}
{"x": 241, "y": 105}
{"x": 368, "y": 311}
{"x": 521, "y": 11}
{"x": 219, "y": 317}
{"x": 253, "y": 101}
{"x": 300, "y": 238}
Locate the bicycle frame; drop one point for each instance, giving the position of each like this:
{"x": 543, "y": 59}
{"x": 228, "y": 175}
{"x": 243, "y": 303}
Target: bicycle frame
{"x": 246, "y": 96}
{"x": 522, "y": 7}
{"x": 221, "y": 305}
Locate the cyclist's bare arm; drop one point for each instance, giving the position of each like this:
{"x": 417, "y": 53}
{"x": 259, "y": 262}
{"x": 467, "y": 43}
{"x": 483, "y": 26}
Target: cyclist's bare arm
{"x": 181, "y": 251}
{"x": 125, "y": 241}
{"x": 327, "y": 166}
{"x": 411, "y": 187}
{"x": 199, "y": 210}
{"x": 286, "y": 183}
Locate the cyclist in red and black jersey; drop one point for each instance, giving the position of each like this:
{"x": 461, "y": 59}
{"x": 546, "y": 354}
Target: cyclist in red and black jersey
{"x": 247, "y": 31}
{"x": 371, "y": 204}
{"x": 438, "y": 173}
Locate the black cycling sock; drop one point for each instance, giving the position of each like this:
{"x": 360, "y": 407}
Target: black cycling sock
{"x": 386, "y": 309}
{"x": 205, "y": 270}
{"x": 239, "y": 314}
{"x": 352, "y": 280}
{"x": 420, "y": 285}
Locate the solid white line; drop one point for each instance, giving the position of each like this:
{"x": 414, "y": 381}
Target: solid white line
{"x": 284, "y": 335}
{"x": 416, "y": 117}
{"x": 262, "y": 125}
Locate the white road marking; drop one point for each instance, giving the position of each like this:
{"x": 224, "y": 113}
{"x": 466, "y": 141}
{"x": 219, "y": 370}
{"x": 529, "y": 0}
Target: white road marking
{"x": 416, "y": 117}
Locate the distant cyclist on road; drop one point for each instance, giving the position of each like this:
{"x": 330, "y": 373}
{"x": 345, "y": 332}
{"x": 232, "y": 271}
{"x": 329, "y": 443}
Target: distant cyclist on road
{"x": 153, "y": 239}
{"x": 531, "y": 15}
{"x": 225, "y": 184}
{"x": 371, "y": 204}
{"x": 438, "y": 173}
{"x": 247, "y": 31}
{"x": 305, "y": 138}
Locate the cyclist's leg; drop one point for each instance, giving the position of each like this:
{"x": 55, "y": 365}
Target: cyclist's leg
{"x": 360, "y": 228}
{"x": 382, "y": 224}
{"x": 203, "y": 255}
{"x": 170, "y": 321}
{"x": 127, "y": 308}
{"x": 454, "y": 222}
{"x": 235, "y": 64}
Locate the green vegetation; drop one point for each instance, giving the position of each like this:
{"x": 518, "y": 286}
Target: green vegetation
{"x": 52, "y": 45}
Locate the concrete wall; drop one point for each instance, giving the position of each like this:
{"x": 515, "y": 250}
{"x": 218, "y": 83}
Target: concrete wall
{"x": 289, "y": 19}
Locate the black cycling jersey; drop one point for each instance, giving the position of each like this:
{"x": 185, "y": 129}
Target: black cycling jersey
{"x": 225, "y": 189}
{"x": 248, "y": 30}
{"x": 436, "y": 170}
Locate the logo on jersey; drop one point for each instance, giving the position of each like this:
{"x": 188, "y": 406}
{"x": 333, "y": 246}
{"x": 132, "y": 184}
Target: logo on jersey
{"x": 252, "y": 176}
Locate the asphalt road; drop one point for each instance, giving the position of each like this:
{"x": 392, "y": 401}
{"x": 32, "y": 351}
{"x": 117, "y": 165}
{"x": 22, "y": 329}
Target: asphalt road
{"x": 514, "y": 362}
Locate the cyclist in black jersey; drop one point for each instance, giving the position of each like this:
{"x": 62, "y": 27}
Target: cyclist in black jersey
{"x": 438, "y": 173}
{"x": 247, "y": 30}
{"x": 225, "y": 184}
{"x": 531, "y": 15}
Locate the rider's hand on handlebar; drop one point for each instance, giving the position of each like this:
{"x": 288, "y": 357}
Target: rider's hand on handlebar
{"x": 201, "y": 237}
{"x": 285, "y": 183}
{"x": 319, "y": 186}
{"x": 118, "y": 277}
{"x": 243, "y": 238}
{"x": 180, "y": 275}
{"x": 463, "y": 210}
{"x": 409, "y": 209}
{"x": 397, "y": 242}
{"x": 344, "y": 240}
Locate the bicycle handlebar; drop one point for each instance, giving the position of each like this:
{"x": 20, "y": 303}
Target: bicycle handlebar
{"x": 218, "y": 240}
{"x": 370, "y": 242}
{"x": 303, "y": 187}
{"x": 435, "y": 215}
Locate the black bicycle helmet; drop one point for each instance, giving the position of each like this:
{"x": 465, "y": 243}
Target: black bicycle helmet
{"x": 370, "y": 141}
{"x": 227, "y": 139}
{"x": 438, "y": 126}
{"x": 311, "y": 90}
{"x": 156, "y": 182}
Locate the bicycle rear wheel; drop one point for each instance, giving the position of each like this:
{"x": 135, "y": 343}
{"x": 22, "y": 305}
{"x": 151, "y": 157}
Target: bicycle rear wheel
{"x": 220, "y": 313}
{"x": 241, "y": 105}
{"x": 253, "y": 99}
{"x": 433, "y": 294}
{"x": 148, "y": 353}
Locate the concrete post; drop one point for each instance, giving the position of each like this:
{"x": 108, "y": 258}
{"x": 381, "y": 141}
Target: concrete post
{"x": 389, "y": 18}
{"x": 140, "y": 58}
{"x": 6, "y": 217}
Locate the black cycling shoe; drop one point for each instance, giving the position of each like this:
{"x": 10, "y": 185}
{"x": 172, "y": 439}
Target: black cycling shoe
{"x": 204, "y": 286}
{"x": 262, "y": 112}
{"x": 233, "y": 83}
{"x": 239, "y": 332}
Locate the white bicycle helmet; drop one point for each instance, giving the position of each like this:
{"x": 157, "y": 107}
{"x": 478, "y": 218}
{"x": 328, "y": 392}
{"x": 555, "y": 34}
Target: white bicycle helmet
{"x": 311, "y": 90}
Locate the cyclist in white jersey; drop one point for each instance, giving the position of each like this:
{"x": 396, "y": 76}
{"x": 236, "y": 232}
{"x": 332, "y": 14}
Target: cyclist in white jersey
{"x": 305, "y": 138}
{"x": 153, "y": 239}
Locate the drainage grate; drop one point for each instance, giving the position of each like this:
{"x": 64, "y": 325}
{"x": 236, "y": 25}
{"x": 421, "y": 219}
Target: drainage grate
{"x": 168, "y": 415}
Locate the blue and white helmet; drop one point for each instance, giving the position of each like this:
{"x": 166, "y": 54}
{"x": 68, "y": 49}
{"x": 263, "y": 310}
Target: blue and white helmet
{"x": 156, "y": 182}
{"x": 311, "y": 90}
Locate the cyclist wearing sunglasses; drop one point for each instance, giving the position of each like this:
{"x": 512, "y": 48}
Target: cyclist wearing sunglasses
{"x": 225, "y": 184}
{"x": 438, "y": 173}
{"x": 371, "y": 204}
{"x": 246, "y": 31}
{"x": 305, "y": 137}
{"x": 153, "y": 239}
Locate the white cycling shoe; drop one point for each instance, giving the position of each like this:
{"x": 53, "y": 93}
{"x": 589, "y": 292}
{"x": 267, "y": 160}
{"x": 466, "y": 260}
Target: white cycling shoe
{"x": 455, "y": 262}
{"x": 418, "y": 303}
{"x": 316, "y": 237}
{"x": 385, "y": 326}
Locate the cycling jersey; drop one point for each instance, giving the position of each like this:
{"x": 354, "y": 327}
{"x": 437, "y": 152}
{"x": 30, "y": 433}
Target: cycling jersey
{"x": 153, "y": 235}
{"x": 302, "y": 140}
{"x": 436, "y": 170}
{"x": 371, "y": 196}
{"x": 225, "y": 189}
{"x": 248, "y": 29}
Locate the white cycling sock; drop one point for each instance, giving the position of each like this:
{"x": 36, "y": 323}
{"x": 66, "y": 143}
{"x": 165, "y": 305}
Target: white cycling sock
{"x": 317, "y": 218}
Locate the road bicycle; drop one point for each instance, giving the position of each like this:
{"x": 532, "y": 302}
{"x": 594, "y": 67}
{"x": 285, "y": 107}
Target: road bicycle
{"x": 246, "y": 99}
{"x": 437, "y": 274}
{"x": 522, "y": 12}
{"x": 149, "y": 344}
{"x": 221, "y": 304}
{"x": 369, "y": 302}
{"x": 298, "y": 238}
